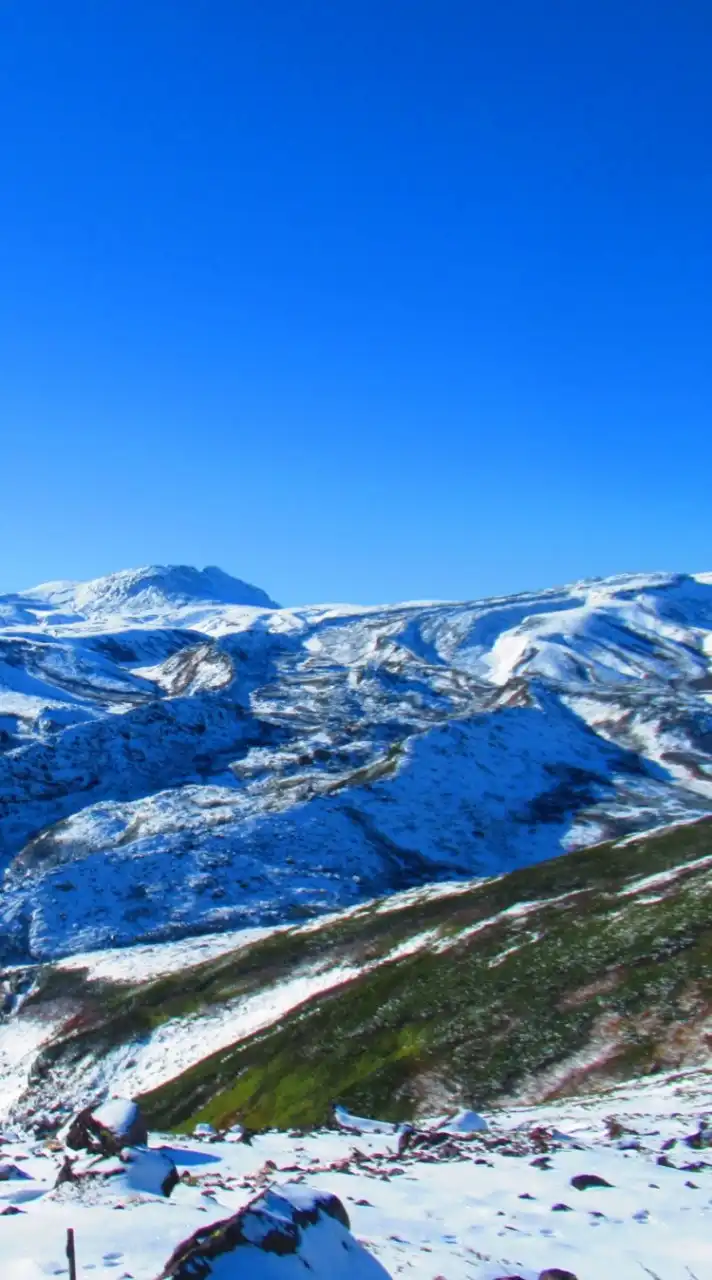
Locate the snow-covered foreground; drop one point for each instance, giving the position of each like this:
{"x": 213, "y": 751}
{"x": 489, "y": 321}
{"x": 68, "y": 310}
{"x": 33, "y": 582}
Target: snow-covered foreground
{"x": 490, "y": 1206}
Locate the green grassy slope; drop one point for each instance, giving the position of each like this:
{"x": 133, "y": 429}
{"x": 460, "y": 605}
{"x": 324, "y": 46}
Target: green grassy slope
{"x": 569, "y": 957}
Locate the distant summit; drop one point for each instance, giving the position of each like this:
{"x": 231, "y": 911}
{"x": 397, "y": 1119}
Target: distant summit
{"x": 149, "y": 590}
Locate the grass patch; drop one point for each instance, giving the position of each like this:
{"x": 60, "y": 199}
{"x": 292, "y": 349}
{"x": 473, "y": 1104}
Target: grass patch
{"x": 492, "y": 1009}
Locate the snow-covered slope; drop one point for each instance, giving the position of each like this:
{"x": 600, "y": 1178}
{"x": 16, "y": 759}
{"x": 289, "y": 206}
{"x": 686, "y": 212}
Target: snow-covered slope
{"x": 179, "y": 755}
{"x": 501, "y": 1204}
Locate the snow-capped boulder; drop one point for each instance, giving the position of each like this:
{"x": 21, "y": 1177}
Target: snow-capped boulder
{"x": 134, "y": 1169}
{"x": 283, "y": 1233}
{"x": 124, "y": 1119}
{"x": 106, "y": 1129}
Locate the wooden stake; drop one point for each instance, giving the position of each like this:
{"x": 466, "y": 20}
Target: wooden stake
{"x": 71, "y": 1255}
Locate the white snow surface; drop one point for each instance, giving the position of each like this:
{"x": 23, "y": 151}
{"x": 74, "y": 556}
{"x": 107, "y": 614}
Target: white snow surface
{"x": 464, "y": 1121}
{"x": 179, "y": 756}
{"x": 453, "y": 1218}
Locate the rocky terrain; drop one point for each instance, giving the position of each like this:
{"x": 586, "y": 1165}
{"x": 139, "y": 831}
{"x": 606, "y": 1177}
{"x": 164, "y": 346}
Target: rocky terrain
{"x": 180, "y": 756}
{"x": 616, "y": 1184}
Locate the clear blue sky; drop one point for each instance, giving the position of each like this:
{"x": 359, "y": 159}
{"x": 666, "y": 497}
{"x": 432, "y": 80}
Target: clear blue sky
{"x": 359, "y": 299}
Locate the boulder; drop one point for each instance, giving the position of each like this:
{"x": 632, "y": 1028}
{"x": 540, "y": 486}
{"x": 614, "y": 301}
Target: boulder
{"x": 106, "y": 1129}
{"x": 284, "y": 1225}
{"x": 133, "y": 1169}
{"x": 124, "y": 1119}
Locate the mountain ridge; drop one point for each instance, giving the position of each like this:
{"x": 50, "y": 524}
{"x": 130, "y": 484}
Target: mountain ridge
{"x": 171, "y": 766}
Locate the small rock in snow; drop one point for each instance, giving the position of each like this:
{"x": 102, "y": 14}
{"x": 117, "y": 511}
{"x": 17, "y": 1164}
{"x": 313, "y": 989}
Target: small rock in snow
{"x": 582, "y": 1181}
{"x": 11, "y": 1173}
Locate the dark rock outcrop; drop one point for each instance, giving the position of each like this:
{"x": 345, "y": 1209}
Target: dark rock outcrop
{"x": 284, "y": 1221}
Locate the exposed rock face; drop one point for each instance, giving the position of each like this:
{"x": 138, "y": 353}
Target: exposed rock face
{"x": 289, "y": 1223}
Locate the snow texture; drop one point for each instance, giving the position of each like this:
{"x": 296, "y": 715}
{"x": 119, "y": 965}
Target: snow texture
{"x": 178, "y": 756}
{"x": 488, "y": 1208}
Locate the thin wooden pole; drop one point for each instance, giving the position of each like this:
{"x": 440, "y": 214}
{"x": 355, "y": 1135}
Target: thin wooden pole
{"x": 71, "y": 1255}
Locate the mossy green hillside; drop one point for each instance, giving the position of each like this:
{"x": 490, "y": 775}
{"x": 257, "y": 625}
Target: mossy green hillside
{"x": 524, "y": 970}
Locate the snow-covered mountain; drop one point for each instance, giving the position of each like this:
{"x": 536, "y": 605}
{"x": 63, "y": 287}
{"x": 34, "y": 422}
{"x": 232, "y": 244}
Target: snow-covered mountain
{"x": 178, "y": 754}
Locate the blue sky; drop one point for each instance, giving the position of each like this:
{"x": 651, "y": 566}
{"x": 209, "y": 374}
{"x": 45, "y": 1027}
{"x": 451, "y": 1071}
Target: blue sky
{"x": 359, "y": 300}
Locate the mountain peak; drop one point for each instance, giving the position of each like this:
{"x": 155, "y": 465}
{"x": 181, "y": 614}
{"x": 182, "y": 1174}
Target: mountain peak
{"x": 151, "y": 588}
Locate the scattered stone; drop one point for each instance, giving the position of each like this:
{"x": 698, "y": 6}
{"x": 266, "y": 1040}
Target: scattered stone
{"x": 702, "y": 1138}
{"x": 582, "y": 1181}
{"x": 541, "y": 1162}
{"x": 556, "y": 1273}
{"x": 240, "y": 1133}
{"x": 11, "y": 1173}
{"x": 541, "y": 1138}
{"x": 561, "y": 1208}
{"x": 206, "y": 1131}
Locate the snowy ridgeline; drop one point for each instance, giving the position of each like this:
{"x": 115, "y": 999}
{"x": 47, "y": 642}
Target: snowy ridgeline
{"x": 178, "y": 755}
{"x": 615, "y": 1186}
